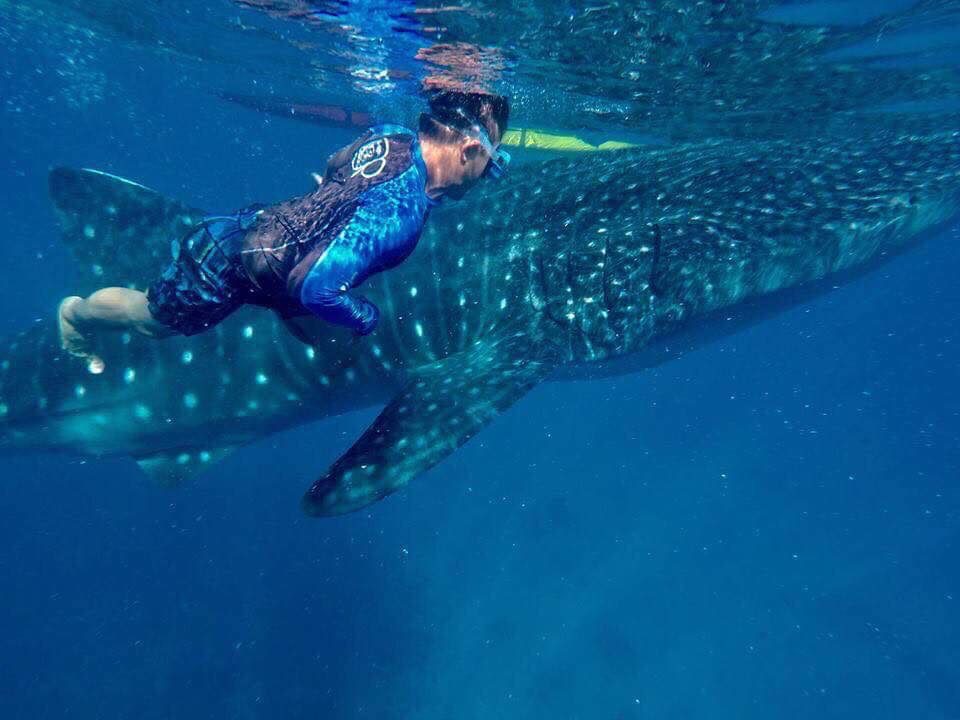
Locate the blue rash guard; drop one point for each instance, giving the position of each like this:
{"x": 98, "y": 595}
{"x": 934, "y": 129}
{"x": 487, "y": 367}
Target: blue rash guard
{"x": 307, "y": 254}
{"x": 382, "y": 232}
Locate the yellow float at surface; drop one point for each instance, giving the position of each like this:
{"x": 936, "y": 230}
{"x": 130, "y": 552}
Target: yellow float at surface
{"x": 540, "y": 140}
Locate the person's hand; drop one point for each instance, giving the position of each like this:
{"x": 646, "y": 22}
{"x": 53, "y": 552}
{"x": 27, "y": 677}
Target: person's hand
{"x": 370, "y": 321}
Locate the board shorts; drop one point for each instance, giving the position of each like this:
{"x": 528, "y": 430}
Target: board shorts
{"x": 206, "y": 280}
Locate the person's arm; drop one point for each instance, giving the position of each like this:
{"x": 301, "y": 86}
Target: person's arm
{"x": 346, "y": 263}
{"x": 381, "y": 233}
{"x": 326, "y": 288}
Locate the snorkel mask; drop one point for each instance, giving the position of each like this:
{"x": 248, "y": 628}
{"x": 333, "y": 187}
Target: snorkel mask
{"x": 499, "y": 158}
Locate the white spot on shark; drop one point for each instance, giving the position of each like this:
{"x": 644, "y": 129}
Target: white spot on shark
{"x": 129, "y": 375}
{"x": 183, "y": 458}
{"x": 204, "y": 457}
{"x": 248, "y": 332}
{"x": 142, "y": 412}
{"x": 262, "y": 379}
{"x": 4, "y": 409}
{"x": 190, "y": 400}
{"x": 419, "y": 329}
{"x": 187, "y": 357}
{"x": 79, "y": 391}
{"x": 89, "y": 232}
{"x": 413, "y": 291}
{"x": 311, "y": 353}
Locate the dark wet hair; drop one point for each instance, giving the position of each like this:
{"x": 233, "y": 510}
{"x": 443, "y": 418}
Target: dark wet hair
{"x": 459, "y": 110}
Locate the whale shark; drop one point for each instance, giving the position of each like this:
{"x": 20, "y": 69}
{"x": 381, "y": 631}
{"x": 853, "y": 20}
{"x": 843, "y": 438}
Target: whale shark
{"x": 573, "y": 269}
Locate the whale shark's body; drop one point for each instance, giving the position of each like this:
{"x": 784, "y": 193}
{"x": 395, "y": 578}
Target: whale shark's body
{"x": 573, "y": 268}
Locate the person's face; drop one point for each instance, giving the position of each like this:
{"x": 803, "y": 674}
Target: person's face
{"x": 472, "y": 159}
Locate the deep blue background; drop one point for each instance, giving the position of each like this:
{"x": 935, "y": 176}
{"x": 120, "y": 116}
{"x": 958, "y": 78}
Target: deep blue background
{"x": 765, "y": 528}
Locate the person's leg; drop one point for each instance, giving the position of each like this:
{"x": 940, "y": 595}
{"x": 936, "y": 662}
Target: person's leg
{"x": 113, "y": 308}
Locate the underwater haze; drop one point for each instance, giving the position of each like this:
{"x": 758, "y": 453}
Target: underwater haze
{"x": 766, "y": 526}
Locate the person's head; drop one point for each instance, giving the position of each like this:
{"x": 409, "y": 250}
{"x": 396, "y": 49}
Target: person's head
{"x": 461, "y": 135}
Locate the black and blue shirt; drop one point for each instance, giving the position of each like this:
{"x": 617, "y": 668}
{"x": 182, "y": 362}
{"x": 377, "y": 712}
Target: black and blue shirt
{"x": 309, "y": 253}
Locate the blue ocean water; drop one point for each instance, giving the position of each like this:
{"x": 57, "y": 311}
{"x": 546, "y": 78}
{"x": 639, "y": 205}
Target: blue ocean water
{"x": 766, "y": 527}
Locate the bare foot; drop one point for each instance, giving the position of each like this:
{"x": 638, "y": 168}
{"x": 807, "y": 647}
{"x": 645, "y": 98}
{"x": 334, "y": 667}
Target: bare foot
{"x": 72, "y": 340}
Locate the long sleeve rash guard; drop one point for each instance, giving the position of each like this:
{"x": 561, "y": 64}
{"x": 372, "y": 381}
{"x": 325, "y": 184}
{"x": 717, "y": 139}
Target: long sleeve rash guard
{"x": 312, "y": 252}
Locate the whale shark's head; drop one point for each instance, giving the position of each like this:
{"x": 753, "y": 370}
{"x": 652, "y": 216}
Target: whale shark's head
{"x": 634, "y": 243}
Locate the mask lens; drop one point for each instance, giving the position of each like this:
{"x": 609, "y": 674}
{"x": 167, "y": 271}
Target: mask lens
{"x": 497, "y": 165}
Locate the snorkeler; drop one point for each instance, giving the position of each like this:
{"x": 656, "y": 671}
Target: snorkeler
{"x": 302, "y": 257}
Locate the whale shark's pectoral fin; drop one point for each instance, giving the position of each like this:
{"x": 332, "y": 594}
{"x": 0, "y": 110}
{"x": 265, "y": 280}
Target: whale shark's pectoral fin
{"x": 441, "y": 407}
{"x": 173, "y": 467}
